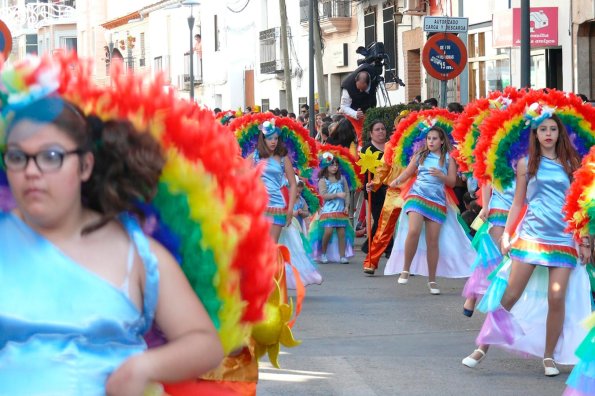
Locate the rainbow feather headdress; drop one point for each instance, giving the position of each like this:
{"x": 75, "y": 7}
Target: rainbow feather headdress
{"x": 300, "y": 146}
{"x": 347, "y": 164}
{"x": 579, "y": 209}
{"x": 209, "y": 217}
{"x": 504, "y": 137}
{"x": 411, "y": 133}
{"x": 466, "y": 130}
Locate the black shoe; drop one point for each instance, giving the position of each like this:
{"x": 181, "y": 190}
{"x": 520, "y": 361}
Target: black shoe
{"x": 467, "y": 312}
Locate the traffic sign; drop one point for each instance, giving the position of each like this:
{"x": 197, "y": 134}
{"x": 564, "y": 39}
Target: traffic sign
{"x": 444, "y": 56}
{"x": 5, "y": 40}
{"x": 446, "y": 24}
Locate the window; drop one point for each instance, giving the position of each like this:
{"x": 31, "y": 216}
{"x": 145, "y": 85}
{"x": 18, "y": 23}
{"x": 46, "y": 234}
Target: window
{"x": 304, "y": 15}
{"x": 388, "y": 27}
{"x": 336, "y": 9}
{"x": 489, "y": 69}
{"x": 31, "y": 44}
{"x": 265, "y": 105}
{"x": 158, "y": 63}
{"x": 369, "y": 26}
{"x": 142, "y": 50}
{"x": 68, "y": 43}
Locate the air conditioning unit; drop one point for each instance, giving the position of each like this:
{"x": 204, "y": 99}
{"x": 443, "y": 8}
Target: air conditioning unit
{"x": 415, "y": 7}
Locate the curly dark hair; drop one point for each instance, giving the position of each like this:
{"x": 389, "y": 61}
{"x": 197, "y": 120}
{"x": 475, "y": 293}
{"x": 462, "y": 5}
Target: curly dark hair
{"x": 127, "y": 164}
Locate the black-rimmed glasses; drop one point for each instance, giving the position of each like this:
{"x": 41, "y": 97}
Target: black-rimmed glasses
{"x": 46, "y": 160}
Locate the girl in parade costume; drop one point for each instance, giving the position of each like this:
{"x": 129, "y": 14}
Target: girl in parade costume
{"x": 334, "y": 191}
{"x": 580, "y": 214}
{"x": 428, "y": 201}
{"x": 478, "y": 115}
{"x": 391, "y": 209}
{"x": 543, "y": 256}
{"x": 278, "y": 168}
{"x": 206, "y": 212}
{"x": 494, "y": 213}
{"x": 294, "y": 238}
{"x": 79, "y": 322}
{"x": 331, "y": 234}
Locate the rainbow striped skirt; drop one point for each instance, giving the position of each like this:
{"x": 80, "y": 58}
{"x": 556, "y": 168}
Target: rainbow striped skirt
{"x": 538, "y": 253}
{"x": 428, "y": 209}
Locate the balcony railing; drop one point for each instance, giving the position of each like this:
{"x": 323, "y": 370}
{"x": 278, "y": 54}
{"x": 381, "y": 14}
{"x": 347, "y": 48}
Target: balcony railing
{"x": 271, "y": 56}
{"x": 334, "y": 15}
{"x": 35, "y": 15}
{"x": 336, "y": 9}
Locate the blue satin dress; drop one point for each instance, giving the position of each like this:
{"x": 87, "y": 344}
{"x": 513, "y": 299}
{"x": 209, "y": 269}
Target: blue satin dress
{"x": 500, "y": 203}
{"x": 335, "y": 205}
{"x": 542, "y": 236}
{"x": 64, "y": 329}
{"x": 273, "y": 177}
{"x": 427, "y": 195}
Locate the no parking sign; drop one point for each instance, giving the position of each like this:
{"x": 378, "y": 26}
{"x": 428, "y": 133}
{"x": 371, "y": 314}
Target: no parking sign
{"x": 444, "y": 56}
{"x": 5, "y": 40}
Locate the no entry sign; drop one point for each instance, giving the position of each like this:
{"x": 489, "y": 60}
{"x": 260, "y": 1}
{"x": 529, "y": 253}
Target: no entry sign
{"x": 444, "y": 56}
{"x": 5, "y": 40}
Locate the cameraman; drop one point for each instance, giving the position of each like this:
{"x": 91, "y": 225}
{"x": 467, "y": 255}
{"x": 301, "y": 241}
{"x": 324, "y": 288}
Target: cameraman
{"x": 358, "y": 91}
{"x": 358, "y": 94}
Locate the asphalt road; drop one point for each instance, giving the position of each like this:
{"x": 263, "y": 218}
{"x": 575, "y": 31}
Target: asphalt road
{"x": 366, "y": 336}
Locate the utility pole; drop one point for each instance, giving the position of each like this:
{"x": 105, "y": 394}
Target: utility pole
{"x": 311, "y": 5}
{"x": 525, "y": 44}
{"x": 285, "y": 51}
{"x": 318, "y": 55}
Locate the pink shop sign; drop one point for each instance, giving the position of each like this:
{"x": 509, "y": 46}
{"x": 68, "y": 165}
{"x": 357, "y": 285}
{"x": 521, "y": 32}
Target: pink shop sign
{"x": 543, "y": 26}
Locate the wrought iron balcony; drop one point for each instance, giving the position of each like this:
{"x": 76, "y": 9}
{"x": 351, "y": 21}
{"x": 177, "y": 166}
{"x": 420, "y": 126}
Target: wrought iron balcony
{"x": 32, "y": 16}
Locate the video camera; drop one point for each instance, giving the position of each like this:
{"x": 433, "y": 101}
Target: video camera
{"x": 375, "y": 56}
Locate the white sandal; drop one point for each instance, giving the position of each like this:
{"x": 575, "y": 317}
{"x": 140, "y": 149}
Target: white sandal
{"x": 403, "y": 281}
{"x": 471, "y": 362}
{"x": 550, "y": 371}
{"x": 433, "y": 290}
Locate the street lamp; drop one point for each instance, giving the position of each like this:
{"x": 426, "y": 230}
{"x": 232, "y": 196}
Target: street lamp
{"x": 191, "y": 3}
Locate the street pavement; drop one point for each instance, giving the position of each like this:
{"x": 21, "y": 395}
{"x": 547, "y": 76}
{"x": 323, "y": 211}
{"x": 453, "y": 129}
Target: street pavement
{"x": 365, "y": 335}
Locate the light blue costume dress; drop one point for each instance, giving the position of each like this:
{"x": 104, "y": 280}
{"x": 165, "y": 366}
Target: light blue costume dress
{"x": 332, "y": 215}
{"x": 427, "y": 196}
{"x": 500, "y": 203}
{"x": 488, "y": 251}
{"x": 542, "y": 236}
{"x": 64, "y": 329}
{"x": 273, "y": 177}
{"x": 293, "y": 237}
{"x": 541, "y": 241}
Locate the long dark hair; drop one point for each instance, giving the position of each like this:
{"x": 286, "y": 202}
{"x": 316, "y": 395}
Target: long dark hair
{"x": 567, "y": 155}
{"x": 444, "y": 149}
{"x": 127, "y": 163}
{"x": 263, "y": 150}
{"x": 343, "y": 134}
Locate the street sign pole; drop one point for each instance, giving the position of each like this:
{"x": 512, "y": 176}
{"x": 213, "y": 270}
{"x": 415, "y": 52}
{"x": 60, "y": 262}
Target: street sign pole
{"x": 443, "y": 86}
{"x": 464, "y": 77}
